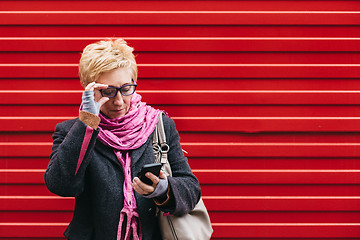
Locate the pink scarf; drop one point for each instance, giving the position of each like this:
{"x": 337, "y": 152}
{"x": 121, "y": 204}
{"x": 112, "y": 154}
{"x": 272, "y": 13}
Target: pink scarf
{"x": 123, "y": 134}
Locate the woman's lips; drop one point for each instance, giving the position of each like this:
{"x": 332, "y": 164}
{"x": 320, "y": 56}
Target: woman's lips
{"x": 117, "y": 111}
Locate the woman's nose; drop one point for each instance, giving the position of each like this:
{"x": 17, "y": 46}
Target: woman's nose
{"x": 118, "y": 99}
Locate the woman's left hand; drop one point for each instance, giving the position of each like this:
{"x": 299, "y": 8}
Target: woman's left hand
{"x": 145, "y": 189}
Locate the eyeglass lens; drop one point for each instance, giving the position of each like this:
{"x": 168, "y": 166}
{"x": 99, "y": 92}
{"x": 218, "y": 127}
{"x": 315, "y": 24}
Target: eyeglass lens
{"x": 125, "y": 90}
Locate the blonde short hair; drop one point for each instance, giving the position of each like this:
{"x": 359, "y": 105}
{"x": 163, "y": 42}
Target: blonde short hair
{"x": 105, "y": 56}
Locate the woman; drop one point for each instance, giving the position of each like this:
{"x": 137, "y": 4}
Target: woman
{"x": 97, "y": 156}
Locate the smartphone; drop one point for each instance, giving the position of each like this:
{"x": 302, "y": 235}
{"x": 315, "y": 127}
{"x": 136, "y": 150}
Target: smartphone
{"x": 154, "y": 168}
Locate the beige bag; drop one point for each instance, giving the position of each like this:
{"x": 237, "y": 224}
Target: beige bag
{"x": 195, "y": 225}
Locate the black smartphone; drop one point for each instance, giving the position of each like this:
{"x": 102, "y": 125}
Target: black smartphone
{"x": 154, "y": 168}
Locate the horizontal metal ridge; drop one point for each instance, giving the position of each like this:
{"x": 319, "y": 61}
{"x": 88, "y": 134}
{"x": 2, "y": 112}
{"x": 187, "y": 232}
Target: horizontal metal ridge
{"x": 181, "y": 12}
{"x": 25, "y": 230}
{"x": 31, "y": 224}
{"x": 231, "y": 149}
{"x": 195, "y": 39}
{"x": 222, "y": 171}
{"x": 222, "y": 71}
{"x": 189, "y": 97}
{"x": 285, "y": 230}
{"x": 222, "y": 176}
{"x": 190, "y": 91}
{"x": 25, "y": 144}
{"x": 175, "y": 5}
{"x": 179, "y": 17}
{"x": 259, "y": 197}
{"x": 205, "y": 197}
{"x": 211, "y": 124}
{"x": 285, "y": 224}
{"x": 22, "y": 118}
{"x": 274, "y": 171}
{"x": 189, "y": 44}
{"x": 250, "y": 176}
{"x": 10, "y": 197}
{"x": 221, "y": 230}
{"x": 214, "y": 224}
{"x": 213, "y": 203}
{"x": 183, "y": 65}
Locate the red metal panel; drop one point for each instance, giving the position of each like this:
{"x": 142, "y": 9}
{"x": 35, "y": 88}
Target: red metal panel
{"x": 24, "y": 190}
{"x": 195, "y": 70}
{"x": 35, "y": 230}
{"x": 279, "y": 190}
{"x": 195, "y": 58}
{"x": 179, "y": 17}
{"x": 281, "y": 230}
{"x": 30, "y": 238}
{"x": 283, "y": 216}
{"x": 166, "y": 44}
{"x": 213, "y": 203}
{"x": 264, "y": 95}
{"x": 202, "y": 84}
{"x": 104, "y": 31}
{"x": 274, "y": 163}
{"x": 219, "y": 190}
{"x": 179, "y": 5}
{"x": 36, "y": 203}
{"x": 34, "y": 149}
{"x": 208, "y": 124}
{"x": 224, "y": 138}
{"x": 285, "y": 230}
{"x": 221, "y": 176}
{"x": 188, "y": 97}
{"x": 195, "y": 111}
{"x": 216, "y": 216}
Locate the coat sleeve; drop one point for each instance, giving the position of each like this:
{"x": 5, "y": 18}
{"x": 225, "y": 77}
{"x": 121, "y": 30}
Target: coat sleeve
{"x": 71, "y": 154}
{"x": 184, "y": 186}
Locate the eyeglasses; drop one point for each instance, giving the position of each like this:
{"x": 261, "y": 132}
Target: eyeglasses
{"x": 125, "y": 90}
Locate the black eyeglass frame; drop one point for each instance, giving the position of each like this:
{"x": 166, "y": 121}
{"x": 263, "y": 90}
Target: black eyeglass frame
{"x": 119, "y": 89}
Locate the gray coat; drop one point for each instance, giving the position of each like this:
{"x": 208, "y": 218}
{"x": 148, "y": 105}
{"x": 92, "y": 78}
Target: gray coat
{"x": 98, "y": 184}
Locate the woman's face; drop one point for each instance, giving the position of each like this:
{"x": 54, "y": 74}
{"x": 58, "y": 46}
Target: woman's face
{"x": 119, "y": 105}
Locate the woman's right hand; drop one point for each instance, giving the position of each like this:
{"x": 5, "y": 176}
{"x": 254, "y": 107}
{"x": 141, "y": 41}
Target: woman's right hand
{"x": 158, "y": 188}
{"x": 89, "y": 103}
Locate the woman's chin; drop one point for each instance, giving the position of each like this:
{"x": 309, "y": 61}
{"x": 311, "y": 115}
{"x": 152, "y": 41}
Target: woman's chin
{"x": 114, "y": 114}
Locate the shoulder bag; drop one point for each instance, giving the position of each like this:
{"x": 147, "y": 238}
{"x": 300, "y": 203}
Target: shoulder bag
{"x": 195, "y": 225}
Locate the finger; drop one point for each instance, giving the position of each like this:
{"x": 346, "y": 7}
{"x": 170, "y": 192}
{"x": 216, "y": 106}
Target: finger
{"x": 137, "y": 188}
{"x": 93, "y": 85}
{"x": 100, "y": 86}
{"x": 90, "y": 86}
{"x": 142, "y": 188}
{"x": 103, "y": 100}
{"x": 153, "y": 178}
{"x": 98, "y": 95}
{"x": 162, "y": 175}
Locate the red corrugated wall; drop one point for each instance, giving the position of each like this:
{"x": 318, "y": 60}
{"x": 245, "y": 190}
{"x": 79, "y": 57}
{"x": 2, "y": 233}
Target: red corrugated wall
{"x": 265, "y": 95}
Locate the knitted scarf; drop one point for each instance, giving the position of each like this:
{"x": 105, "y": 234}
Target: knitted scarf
{"x": 123, "y": 134}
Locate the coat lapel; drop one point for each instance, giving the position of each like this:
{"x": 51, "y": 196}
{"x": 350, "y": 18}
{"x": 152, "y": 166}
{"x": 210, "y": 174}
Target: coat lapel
{"x": 137, "y": 153}
{"x": 108, "y": 152}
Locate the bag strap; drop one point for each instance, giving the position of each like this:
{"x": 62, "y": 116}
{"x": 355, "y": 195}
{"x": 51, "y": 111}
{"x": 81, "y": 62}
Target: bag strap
{"x": 160, "y": 147}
